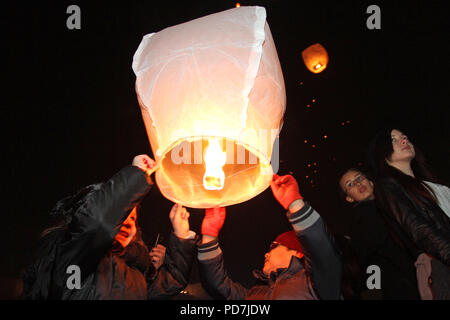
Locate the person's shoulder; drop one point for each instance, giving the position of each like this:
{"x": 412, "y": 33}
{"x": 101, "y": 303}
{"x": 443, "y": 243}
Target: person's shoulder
{"x": 362, "y": 208}
{"x": 364, "y": 205}
{"x": 438, "y": 185}
{"x": 52, "y": 236}
{"x": 386, "y": 181}
{"x": 387, "y": 188}
{"x": 387, "y": 184}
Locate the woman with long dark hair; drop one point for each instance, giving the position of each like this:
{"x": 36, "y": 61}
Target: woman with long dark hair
{"x": 415, "y": 203}
{"x": 96, "y": 252}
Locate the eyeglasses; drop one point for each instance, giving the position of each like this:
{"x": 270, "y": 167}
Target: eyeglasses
{"x": 355, "y": 181}
{"x": 274, "y": 244}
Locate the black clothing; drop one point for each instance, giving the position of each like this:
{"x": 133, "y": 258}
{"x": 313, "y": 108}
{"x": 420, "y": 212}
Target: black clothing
{"x": 419, "y": 228}
{"x": 373, "y": 245}
{"x": 87, "y": 242}
{"x": 315, "y": 276}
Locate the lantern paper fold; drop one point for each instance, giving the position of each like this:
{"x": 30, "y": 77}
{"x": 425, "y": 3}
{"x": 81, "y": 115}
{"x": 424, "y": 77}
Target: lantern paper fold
{"x": 216, "y": 76}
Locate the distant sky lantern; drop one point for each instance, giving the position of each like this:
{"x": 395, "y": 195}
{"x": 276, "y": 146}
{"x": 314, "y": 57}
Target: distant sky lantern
{"x": 315, "y": 58}
{"x": 212, "y": 97}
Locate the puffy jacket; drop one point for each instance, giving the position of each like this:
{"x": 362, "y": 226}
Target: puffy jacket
{"x": 87, "y": 242}
{"x": 418, "y": 228}
{"x": 315, "y": 276}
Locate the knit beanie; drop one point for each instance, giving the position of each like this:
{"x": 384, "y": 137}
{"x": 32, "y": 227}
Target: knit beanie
{"x": 290, "y": 240}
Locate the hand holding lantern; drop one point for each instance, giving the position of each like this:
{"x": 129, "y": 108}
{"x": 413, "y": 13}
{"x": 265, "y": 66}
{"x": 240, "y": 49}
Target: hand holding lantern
{"x": 145, "y": 163}
{"x": 179, "y": 217}
{"x": 285, "y": 189}
{"x": 213, "y": 221}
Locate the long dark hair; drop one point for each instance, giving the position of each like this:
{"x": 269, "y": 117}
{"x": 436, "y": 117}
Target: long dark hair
{"x": 380, "y": 149}
{"x": 65, "y": 208}
{"x": 136, "y": 254}
{"x": 61, "y": 214}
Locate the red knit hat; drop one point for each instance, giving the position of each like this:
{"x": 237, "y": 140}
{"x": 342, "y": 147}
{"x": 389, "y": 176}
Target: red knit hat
{"x": 290, "y": 240}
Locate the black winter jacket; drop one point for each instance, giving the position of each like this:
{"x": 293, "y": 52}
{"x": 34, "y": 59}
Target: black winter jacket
{"x": 373, "y": 245}
{"x": 315, "y": 276}
{"x": 418, "y": 228}
{"x": 87, "y": 243}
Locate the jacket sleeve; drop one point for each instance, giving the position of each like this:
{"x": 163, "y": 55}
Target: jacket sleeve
{"x": 98, "y": 220}
{"x": 213, "y": 275}
{"x": 322, "y": 261}
{"x": 173, "y": 276}
{"x": 394, "y": 202}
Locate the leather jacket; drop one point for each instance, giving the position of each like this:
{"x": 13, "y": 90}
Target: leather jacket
{"x": 97, "y": 216}
{"x": 418, "y": 228}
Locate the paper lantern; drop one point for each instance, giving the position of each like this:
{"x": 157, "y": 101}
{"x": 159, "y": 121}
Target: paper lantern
{"x": 212, "y": 97}
{"x": 315, "y": 58}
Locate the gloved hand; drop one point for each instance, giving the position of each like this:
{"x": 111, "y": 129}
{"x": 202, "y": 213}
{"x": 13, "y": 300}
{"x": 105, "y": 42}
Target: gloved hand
{"x": 285, "y": 189}
{"x": 213, "y": 221}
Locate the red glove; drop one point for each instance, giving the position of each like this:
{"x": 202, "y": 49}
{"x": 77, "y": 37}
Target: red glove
{"x": 213, "y": 221}
{"x": 285, "y": 189}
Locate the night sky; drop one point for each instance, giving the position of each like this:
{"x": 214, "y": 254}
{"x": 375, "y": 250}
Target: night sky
{"x": 71, "y": 117}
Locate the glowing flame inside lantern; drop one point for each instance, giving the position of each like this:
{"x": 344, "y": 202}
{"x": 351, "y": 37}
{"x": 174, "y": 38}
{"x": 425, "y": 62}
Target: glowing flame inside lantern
{"x": 215, "y": 159}
{"x": 315, "y": 58}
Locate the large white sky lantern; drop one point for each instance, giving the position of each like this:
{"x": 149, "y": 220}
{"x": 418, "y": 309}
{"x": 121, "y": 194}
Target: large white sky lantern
{"x": 212, "y": 97}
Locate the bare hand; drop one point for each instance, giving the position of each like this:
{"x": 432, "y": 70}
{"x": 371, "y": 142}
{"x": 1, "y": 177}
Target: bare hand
{"x": 145, "y": 163}
{"x": 179, "y": 217}
{"x": 157, "y": 255}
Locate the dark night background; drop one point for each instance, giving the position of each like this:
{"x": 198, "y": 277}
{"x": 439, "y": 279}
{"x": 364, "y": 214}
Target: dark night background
{"x": 71, "y": 116}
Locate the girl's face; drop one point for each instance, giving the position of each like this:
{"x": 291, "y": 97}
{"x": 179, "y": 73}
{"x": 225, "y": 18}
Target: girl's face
{"x": 356, "y": 186}
{"x": 403, "y": 148}
{"x": 128, "y": 229}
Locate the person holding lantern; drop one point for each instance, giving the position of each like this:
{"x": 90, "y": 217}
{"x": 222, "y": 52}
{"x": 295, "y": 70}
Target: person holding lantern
{"x": 97, "y": 251}
{"x": 301, "y": 264}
